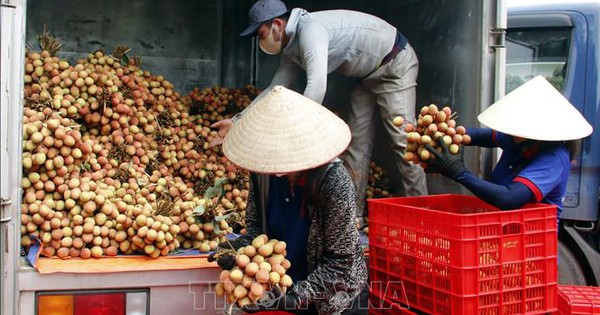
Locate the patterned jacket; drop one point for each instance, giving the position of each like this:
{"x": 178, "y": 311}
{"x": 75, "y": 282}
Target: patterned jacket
{"x": 336, "y": 264}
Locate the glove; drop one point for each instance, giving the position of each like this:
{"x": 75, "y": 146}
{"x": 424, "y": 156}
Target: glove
{"x": 223, "y": 255}
{"x": 447, "y": 164}
{"x": 275, "y": 301}
{"x": 225, "y": 261}
{"x": 236, "y": 244}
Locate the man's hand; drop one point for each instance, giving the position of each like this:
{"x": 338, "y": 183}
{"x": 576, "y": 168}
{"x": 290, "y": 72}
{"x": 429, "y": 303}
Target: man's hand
{"x": 447, "y": 164}
{"x": 224, "y": 125}
{"x": 275, "y": 301}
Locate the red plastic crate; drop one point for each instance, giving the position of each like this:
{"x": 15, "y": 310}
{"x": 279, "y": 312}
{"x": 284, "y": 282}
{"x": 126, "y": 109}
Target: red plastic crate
{"x": 578, "y": 300}
{"x": 456, "y": 254}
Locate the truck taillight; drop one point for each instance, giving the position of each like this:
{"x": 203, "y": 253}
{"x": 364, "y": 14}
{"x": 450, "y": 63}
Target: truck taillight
{"x": 99, "y": 304}
{"x": 93, "y": 303}
{"x": 55, "y": 304}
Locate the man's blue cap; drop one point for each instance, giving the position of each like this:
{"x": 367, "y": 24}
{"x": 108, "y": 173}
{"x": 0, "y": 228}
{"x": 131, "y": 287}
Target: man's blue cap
{"x": 262, "y": 11}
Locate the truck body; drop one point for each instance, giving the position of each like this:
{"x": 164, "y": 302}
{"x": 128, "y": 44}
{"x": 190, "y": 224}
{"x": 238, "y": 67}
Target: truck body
{"x": 559, "y": 40}
{"x": 460, "y": 45}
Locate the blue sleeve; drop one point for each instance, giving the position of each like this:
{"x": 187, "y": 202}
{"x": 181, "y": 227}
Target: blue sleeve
{"x": 545, "y": 172}
{"x": 505, "y": 197}
{"x": 488, "y": 138}
{"x": 482, "y": 137}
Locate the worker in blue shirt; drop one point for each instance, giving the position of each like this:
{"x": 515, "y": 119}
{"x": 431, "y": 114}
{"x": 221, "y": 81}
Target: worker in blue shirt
{"x": 288, "y": 220}
{"x": 536, "y": 128}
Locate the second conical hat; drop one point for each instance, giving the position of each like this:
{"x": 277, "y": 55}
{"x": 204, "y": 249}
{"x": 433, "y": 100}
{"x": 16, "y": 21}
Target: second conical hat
{"x": 536, "y": 110}
{"x": 285, "y": 132}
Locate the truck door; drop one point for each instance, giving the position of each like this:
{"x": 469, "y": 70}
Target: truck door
{"x": 12, "y": 25}
{"x": 553, "y": 44}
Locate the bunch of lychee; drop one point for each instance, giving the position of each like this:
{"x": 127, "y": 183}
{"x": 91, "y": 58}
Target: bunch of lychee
{"x": 432, "y": 124}
{"x": 257, "y": 269}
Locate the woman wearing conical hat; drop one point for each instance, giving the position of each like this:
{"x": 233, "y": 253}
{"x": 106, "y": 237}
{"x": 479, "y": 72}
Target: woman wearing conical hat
{"x": 309, "y": 200}
{"x": 536, "y": 128}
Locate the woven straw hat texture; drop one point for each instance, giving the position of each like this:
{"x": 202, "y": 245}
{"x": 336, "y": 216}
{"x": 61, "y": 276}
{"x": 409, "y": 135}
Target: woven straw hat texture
{"x": 536, "y": 110}
{"x": 285, "y": 132}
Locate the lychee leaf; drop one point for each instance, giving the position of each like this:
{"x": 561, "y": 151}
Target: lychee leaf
{"x": 223, "y": 217}
{"x": 210, "y": 193}
{"x": 221, "y": 194}
{"x": 142, "y": 182}
{"x": 217, "y": 190}
{"x": 199, "y": 210}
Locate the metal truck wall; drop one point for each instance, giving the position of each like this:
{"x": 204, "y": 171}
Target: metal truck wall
{"x": 450, "y": 39}
{"x": 191, "y": 43}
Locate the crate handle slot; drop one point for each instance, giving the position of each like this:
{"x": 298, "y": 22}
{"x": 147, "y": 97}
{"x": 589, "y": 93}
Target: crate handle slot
{"x": 513, "y": 228}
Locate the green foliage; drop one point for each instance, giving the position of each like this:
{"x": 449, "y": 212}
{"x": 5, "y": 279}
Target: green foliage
{"x": 209, "y": 209}
{"x": 513, "y": 81}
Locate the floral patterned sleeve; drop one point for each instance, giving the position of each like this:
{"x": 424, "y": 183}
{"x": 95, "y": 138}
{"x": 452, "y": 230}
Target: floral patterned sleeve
{"x": 253, "y": 220}
{"x": 341, "y": 272}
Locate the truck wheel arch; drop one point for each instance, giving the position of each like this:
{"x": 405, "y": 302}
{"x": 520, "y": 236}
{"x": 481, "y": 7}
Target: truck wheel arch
{"x": 576, "y": 255}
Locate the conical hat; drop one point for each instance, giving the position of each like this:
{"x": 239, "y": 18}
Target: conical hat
{"x": 285, "y": 132}
{"x": 536, "y": 110}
